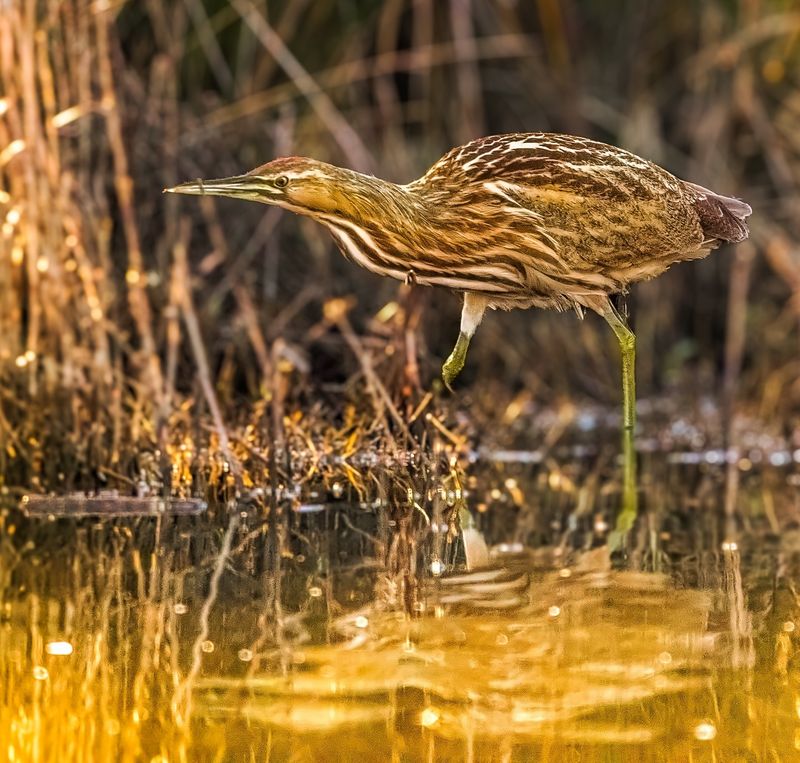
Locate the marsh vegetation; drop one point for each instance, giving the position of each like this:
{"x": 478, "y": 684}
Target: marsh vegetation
{"x": 285, "y": 572}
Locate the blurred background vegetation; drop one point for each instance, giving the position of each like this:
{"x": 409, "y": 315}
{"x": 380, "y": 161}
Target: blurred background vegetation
{"x": 133, "y": 324}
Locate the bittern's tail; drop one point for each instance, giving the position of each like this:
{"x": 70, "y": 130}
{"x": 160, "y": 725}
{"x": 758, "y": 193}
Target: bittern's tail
{"x": 722, "y": 217}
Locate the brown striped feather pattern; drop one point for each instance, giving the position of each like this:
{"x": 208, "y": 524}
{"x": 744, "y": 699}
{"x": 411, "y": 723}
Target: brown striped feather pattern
{"x": 526, "y": 219}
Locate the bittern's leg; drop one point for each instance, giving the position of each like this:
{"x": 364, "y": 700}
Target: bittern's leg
{"x": 471, "y": 316}
{"x": 627, "y": 345}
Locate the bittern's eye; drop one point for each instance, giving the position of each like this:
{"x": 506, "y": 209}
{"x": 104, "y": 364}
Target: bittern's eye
{"x": 281, "y": 182}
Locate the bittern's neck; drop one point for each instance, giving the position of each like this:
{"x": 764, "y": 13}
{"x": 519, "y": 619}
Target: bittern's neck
{"x": 375, "y": 223}
{"x": 369, "y": 201}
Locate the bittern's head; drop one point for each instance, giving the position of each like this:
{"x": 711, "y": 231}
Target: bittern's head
{"x": 302, "y": 185}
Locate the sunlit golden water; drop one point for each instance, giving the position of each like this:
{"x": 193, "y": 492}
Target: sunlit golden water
{"x": 167, "y": 639}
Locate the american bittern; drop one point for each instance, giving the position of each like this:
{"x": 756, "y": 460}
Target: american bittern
{"x": 521, "y": 220}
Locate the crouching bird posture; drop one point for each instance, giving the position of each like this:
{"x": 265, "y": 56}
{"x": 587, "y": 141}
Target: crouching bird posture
{"x": 512, "y": 221}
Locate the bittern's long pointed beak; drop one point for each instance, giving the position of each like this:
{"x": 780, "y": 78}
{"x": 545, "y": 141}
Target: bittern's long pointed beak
{"x": 236, "y": 187}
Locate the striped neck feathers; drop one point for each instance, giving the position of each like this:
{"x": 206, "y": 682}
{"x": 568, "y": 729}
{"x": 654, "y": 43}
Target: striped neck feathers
{"x": 346, "y": 196}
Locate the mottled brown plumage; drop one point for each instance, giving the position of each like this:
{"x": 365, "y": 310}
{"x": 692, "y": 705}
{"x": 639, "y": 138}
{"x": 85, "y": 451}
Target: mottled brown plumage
{"x": 527, "y": 219}
{"x": 519, "y": 220}
{"x": 570, "y": 220}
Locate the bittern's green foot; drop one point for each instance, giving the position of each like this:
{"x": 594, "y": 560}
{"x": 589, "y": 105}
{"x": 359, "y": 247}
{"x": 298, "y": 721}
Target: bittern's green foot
{"x": 453, "y": 365}
{"x": 626, "y": 518}
{"x": 618, "y": 537}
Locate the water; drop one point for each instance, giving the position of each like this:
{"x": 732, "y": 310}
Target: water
{"x": 352, "y": 630}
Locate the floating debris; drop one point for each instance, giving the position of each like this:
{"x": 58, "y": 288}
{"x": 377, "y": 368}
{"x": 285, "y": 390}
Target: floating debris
{"x": 109, "y": 505}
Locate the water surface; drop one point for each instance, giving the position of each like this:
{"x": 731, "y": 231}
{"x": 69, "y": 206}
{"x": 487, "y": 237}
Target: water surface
{"x": 353, "y": 630}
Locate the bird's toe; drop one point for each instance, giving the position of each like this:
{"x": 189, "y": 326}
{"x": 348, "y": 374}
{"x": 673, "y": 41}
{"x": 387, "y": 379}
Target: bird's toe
{"x": 450, "y": 371}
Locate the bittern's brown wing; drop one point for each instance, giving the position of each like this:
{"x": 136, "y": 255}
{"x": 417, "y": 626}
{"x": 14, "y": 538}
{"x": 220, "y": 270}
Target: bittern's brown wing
{"x": 582, "y": 216}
